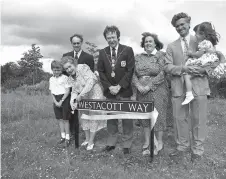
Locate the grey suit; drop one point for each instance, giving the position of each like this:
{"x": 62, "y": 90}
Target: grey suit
{"x": 198, "y": 106}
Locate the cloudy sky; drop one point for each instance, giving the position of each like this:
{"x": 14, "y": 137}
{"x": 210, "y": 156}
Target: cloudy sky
{"x": 50, "y": 23}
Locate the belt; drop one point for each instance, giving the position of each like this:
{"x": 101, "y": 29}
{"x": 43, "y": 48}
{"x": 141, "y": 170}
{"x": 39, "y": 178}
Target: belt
{"x": 144, "y": 77}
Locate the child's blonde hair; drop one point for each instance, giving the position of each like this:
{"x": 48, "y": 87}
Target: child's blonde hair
{"x": 56, "y": 64}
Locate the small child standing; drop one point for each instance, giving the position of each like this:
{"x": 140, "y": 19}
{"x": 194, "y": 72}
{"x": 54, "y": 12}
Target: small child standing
{"x": 61, "y": 101}
{"x": 205, "y": 56}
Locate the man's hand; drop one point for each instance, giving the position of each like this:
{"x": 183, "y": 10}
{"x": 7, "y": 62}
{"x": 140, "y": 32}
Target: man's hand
{"x": 196, "y": 70}
{"x": 113, "y": 90}
{"x": 190, "y": 53}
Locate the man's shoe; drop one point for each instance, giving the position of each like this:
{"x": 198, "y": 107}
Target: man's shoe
{"x": 108, "y": 148}
{"x": 195, "y": 157}
{"x": 126, "y": 151}
{"x": 176, "y": 153}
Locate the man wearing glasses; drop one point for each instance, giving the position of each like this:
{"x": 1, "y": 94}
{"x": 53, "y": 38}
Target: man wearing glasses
{"x": 78, "y": 54}
{"x": 80, "y": 57}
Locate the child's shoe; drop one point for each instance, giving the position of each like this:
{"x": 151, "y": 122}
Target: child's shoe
{"x": 62, "y": 140}
{"x": 189, "y": 98}
{"x": 67, "y": 143}
{"x": 90, "y": 147}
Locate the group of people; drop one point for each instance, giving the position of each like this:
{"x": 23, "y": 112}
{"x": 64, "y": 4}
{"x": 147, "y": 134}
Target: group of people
{"x": 120, "y": 75}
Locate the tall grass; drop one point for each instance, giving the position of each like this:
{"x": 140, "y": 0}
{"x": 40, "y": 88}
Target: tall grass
{"x": 29, "y": 150}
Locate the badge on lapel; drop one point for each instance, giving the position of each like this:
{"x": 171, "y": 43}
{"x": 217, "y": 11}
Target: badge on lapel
{"x": 123, "y": 63}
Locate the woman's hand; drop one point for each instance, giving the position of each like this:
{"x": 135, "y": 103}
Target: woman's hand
{"x": 73, "y": 104}
{"x": 78, "y": 98}
{"x": 146, "y": 89}
{"x": 141, "y": 89}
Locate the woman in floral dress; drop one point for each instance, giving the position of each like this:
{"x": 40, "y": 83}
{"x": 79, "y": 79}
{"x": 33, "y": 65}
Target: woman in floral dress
{"x": 151, "y": 84}
{"x": 85, "y": 85}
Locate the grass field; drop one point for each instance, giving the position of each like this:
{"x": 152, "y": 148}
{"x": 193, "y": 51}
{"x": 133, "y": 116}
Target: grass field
{"x": 29, "y": 134}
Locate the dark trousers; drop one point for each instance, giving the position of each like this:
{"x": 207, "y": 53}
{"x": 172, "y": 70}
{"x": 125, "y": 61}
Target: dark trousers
{"x": 127, "y": 126}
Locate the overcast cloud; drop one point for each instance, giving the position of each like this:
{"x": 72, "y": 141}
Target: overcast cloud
{"x": 50, "y": 23}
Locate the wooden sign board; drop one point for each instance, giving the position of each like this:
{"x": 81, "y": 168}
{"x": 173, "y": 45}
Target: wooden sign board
{"x": 124, "y": 106}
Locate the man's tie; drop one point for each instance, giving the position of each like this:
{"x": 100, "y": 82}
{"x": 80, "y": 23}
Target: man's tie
{"x": 113, "y": 53}
{"x": 186, "y": 47}
{"x": 76, "y": 56}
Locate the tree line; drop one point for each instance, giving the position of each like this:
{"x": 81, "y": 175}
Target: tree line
{"x": 27, "y": 71}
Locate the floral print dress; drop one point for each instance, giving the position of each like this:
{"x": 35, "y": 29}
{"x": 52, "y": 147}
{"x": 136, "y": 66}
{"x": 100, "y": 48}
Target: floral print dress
{"x": 149, "y": 72}
{"x": 87, "y": 85}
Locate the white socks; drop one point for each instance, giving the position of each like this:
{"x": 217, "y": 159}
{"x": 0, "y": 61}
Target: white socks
{"x": 189, "y": 98}
{"x": 63, "y": 135}
{"x": 67, "y": 136}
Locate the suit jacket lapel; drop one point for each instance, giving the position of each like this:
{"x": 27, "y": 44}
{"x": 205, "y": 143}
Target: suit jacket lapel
{"x": 108, "y": 53}
{"x": 120, "y": 48}
{"x": 80, "y": 57}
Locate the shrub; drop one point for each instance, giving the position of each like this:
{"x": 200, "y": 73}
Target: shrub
{"x": 39, "y": 88}
{"x": 218, "y": 87}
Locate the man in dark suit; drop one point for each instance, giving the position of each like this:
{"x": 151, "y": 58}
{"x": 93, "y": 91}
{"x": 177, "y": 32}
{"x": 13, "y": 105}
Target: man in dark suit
{"x": 78, "y": 54}
{"x": 116, "y": 67}
{"x": 80, "y": 57}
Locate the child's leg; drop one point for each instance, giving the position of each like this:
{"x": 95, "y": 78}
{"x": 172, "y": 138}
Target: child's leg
{"x": 188, "y": 84}
{"x": 67, "y": 129}
{"x": 62, "y": 131}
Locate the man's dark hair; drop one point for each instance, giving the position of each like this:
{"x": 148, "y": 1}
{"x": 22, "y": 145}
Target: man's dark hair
{"x": 111, "y": 29}
{"x": 178, "y": 16}
{"x": 76, "y": 35}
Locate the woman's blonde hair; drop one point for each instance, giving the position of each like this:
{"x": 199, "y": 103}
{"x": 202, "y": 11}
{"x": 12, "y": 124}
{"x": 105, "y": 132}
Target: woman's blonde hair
{"x": 67, "y": 59}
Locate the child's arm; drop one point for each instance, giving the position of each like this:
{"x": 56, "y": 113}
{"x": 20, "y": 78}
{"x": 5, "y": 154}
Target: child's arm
{"x": 196, "y": 54}
{"x": 55, "y": 101}
{"x": 65, "y": 96}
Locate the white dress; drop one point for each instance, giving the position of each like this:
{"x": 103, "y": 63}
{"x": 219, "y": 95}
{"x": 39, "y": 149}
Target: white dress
{"x": 205, "y": 45}
{"x": 87, "y": 85}
{"x": 208, "y": 59}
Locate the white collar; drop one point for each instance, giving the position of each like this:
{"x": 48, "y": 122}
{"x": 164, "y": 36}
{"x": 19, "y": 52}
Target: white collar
{"x": 187, "y": 38}
{"x": 153, "y": 52}
{"x": 78, "y": 53}
{"x": 116, "y": 48}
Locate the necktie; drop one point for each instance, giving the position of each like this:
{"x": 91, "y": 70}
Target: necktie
{"x": 186, "y": 47}
{"x": 113, "y": 62}
{"x": 113, "y": 54}
{"x": 76, "y": 56}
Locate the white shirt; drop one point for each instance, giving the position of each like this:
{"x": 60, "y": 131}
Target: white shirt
{"x": 116, "y": 50}
{"x": 79, "y": 53}
{"x": 183, "y": 43}
{"x": 58, "y": 85}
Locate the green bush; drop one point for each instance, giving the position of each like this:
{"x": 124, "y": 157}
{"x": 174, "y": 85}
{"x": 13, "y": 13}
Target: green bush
{"x": 217, "y": 87}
